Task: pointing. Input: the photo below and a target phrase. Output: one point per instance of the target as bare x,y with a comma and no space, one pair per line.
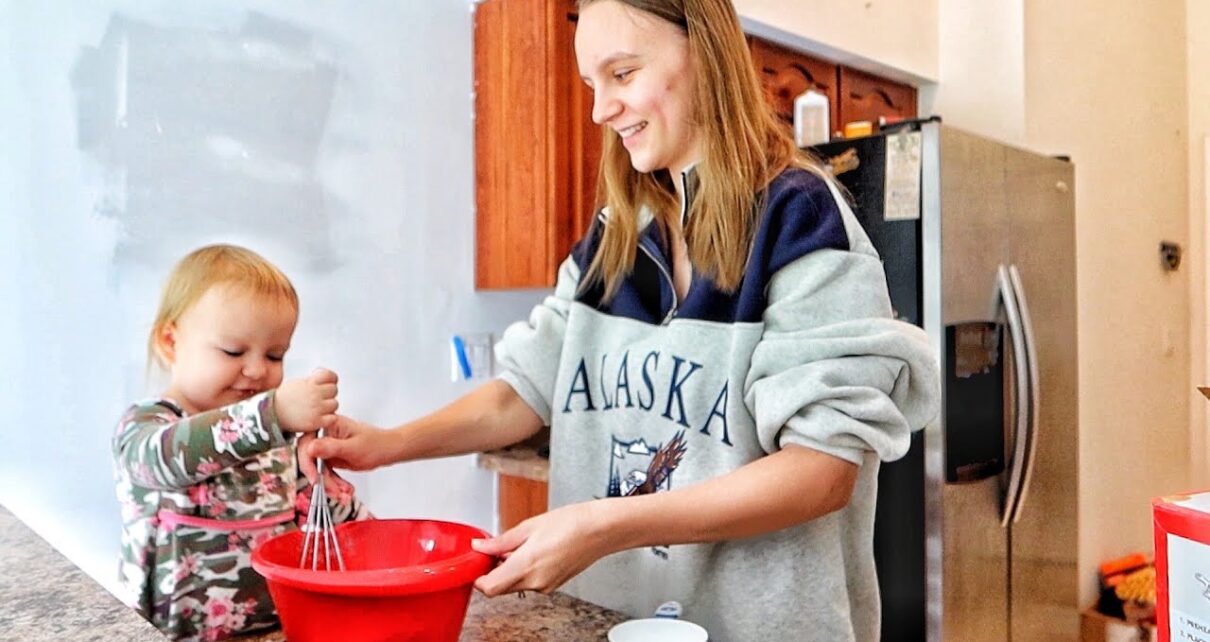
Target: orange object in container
1127,563
858,128
406,581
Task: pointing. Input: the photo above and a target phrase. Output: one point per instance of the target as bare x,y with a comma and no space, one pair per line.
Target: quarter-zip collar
688,182
652,243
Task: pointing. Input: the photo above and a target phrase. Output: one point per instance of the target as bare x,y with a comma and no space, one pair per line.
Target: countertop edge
517,461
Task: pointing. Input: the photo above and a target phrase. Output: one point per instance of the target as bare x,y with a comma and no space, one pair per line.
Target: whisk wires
319,531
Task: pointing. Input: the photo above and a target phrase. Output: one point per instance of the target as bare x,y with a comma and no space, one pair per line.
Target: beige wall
1198,61
894,38
1107,83
981,71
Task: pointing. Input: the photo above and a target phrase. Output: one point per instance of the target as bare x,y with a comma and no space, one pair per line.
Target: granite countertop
516,461
509,618
46,598
522,459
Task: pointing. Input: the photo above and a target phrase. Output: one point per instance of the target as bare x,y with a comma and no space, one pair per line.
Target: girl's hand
346,444
543,552
335,486
307,404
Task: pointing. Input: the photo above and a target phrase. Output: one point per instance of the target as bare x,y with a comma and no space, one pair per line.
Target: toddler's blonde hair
212,265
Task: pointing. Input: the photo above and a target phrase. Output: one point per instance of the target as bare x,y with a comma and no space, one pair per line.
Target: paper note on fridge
902,177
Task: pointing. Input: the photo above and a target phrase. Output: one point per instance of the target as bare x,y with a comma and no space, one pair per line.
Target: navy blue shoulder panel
800,216
643,296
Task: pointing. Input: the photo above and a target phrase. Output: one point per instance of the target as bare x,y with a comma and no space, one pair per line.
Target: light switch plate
470,356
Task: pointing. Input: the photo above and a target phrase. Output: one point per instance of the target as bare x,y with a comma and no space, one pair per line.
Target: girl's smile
629,133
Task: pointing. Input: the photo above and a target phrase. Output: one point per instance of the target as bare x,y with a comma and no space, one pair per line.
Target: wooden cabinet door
519,499
512,144
536,148
787,74
581,141
867,97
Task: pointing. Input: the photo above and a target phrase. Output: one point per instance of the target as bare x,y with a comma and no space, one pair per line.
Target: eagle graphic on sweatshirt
638,469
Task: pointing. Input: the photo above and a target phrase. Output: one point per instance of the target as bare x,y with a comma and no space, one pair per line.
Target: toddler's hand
307,404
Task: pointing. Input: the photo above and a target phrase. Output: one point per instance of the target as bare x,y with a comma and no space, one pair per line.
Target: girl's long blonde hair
745,147
207,267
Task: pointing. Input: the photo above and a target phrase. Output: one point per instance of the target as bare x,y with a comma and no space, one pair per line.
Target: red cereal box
1182,567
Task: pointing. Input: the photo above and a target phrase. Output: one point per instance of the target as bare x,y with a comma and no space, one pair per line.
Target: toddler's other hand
307,404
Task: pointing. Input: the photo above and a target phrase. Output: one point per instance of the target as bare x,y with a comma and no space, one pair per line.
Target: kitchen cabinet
787,74
519,499
852,94
864,96
537,150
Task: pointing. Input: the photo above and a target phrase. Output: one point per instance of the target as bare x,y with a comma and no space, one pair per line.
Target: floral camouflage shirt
178,479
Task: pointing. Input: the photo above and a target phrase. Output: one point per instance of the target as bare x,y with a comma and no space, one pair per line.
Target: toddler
207,471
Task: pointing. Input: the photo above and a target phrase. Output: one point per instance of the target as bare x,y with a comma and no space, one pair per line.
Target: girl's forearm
786,488
491,416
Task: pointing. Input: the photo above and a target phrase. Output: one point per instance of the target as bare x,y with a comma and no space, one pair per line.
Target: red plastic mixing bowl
405,580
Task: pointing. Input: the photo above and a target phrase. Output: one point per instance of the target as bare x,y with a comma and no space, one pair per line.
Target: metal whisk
319,532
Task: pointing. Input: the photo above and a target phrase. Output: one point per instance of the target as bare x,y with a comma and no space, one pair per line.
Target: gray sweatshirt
646,393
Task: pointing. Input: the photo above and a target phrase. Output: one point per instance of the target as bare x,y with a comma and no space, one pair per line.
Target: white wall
337,142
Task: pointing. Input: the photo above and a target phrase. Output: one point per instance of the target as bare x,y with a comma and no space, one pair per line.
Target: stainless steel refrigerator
975,532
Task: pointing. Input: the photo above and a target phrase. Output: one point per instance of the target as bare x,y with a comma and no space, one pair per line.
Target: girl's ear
165,343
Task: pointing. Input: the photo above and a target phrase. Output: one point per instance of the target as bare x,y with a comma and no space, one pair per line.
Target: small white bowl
657,629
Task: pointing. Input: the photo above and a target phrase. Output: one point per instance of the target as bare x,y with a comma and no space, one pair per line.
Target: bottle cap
670,610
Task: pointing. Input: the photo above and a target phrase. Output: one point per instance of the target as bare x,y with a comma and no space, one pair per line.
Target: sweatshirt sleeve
833,371
529,351
161,450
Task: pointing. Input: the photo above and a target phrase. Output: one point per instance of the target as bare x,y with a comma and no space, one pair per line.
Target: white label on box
1188,590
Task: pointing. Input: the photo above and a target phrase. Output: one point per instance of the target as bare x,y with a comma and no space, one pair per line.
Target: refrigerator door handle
1035,401
1020,366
